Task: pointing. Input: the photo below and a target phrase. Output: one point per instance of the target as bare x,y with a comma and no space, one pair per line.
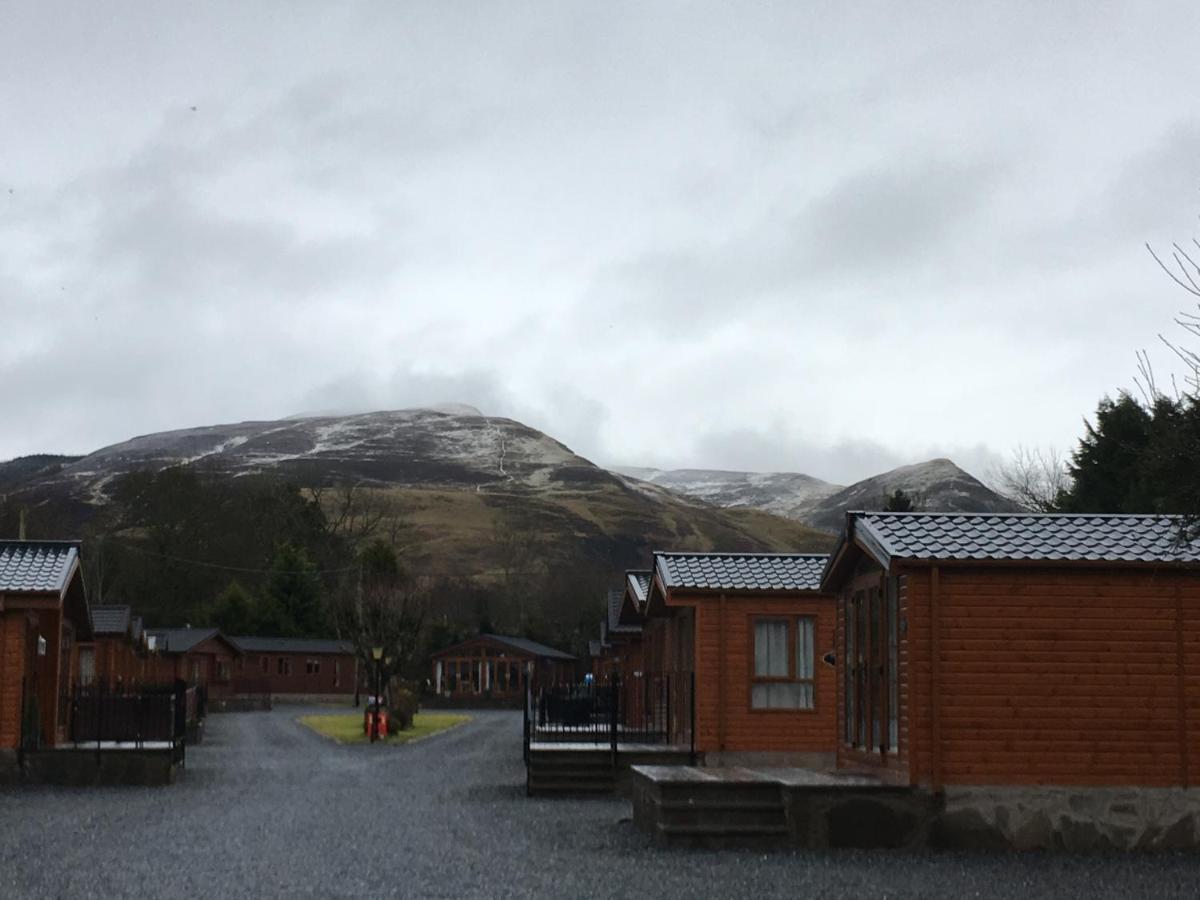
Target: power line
209,565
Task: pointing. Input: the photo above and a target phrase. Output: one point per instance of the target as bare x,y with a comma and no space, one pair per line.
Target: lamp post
377,655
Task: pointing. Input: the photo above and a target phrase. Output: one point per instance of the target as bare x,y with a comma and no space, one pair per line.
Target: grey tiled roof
36,566
616,597
528,646
639,583
110,619
741,571
1041,537
291,645
179,640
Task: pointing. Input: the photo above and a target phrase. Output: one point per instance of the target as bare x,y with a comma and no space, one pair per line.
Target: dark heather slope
935,486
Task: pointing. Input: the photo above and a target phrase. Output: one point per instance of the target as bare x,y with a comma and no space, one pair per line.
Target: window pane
782,695
770,649
804,648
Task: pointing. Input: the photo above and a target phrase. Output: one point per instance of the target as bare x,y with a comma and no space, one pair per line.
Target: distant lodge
497,667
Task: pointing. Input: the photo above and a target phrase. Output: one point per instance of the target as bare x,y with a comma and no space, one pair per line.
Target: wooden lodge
619,649
496,667
118,654
305,667
201,657
43,617
755,630
978,649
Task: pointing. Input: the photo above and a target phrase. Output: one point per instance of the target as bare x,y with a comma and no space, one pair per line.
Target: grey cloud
878,226
405,388
1159,186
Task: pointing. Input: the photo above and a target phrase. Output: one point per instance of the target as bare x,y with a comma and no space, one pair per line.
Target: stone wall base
1070,819
820,811
87,767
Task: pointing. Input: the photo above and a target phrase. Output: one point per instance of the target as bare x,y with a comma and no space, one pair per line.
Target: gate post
613,713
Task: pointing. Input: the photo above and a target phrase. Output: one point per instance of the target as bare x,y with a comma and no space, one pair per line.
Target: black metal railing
106,716
645,708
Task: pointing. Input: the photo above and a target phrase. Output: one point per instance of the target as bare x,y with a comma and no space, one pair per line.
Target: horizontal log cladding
1074,676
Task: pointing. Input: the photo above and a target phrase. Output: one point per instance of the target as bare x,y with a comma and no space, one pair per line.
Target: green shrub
403,704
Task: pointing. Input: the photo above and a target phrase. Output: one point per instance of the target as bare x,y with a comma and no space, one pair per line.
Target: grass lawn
347,728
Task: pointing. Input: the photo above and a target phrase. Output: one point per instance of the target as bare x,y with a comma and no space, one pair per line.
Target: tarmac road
267,808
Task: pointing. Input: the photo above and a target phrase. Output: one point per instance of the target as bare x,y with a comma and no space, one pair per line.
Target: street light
377,655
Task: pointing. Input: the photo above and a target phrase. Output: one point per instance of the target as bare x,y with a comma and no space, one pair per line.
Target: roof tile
1041,537
741,571
36,566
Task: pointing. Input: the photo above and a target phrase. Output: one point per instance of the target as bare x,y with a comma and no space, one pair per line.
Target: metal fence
112,716
646,708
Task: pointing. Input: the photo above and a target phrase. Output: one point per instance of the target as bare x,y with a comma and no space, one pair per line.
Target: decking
592,767
775,807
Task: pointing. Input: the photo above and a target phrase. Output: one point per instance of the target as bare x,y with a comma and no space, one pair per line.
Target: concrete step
720,819
721,793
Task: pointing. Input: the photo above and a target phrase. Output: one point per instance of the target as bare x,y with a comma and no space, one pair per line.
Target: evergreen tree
1108,467
294,585
234,611
898,501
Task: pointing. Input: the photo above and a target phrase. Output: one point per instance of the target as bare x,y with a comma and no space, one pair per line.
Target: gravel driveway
267,808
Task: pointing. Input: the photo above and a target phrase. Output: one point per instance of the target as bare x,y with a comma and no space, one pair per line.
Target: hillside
451,479
782,493
936,485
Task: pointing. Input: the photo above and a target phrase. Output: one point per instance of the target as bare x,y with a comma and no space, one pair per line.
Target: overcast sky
774,236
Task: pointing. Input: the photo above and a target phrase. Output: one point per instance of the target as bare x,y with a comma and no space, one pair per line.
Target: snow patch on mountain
453,445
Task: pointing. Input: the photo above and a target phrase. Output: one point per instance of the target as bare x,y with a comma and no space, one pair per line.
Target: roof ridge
730,554
1010,515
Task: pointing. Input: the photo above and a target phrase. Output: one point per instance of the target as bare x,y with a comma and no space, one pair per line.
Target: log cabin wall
13,627
1053,675
724,655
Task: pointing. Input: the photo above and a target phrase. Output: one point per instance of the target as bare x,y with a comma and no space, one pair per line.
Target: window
223,670
337,673
783,664
266,665
285,666
312,667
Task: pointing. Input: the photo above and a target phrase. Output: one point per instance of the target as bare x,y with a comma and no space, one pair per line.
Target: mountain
414,447
454,475
935,485
23,469
782,493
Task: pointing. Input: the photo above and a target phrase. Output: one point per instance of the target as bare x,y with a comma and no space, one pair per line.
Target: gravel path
268,808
